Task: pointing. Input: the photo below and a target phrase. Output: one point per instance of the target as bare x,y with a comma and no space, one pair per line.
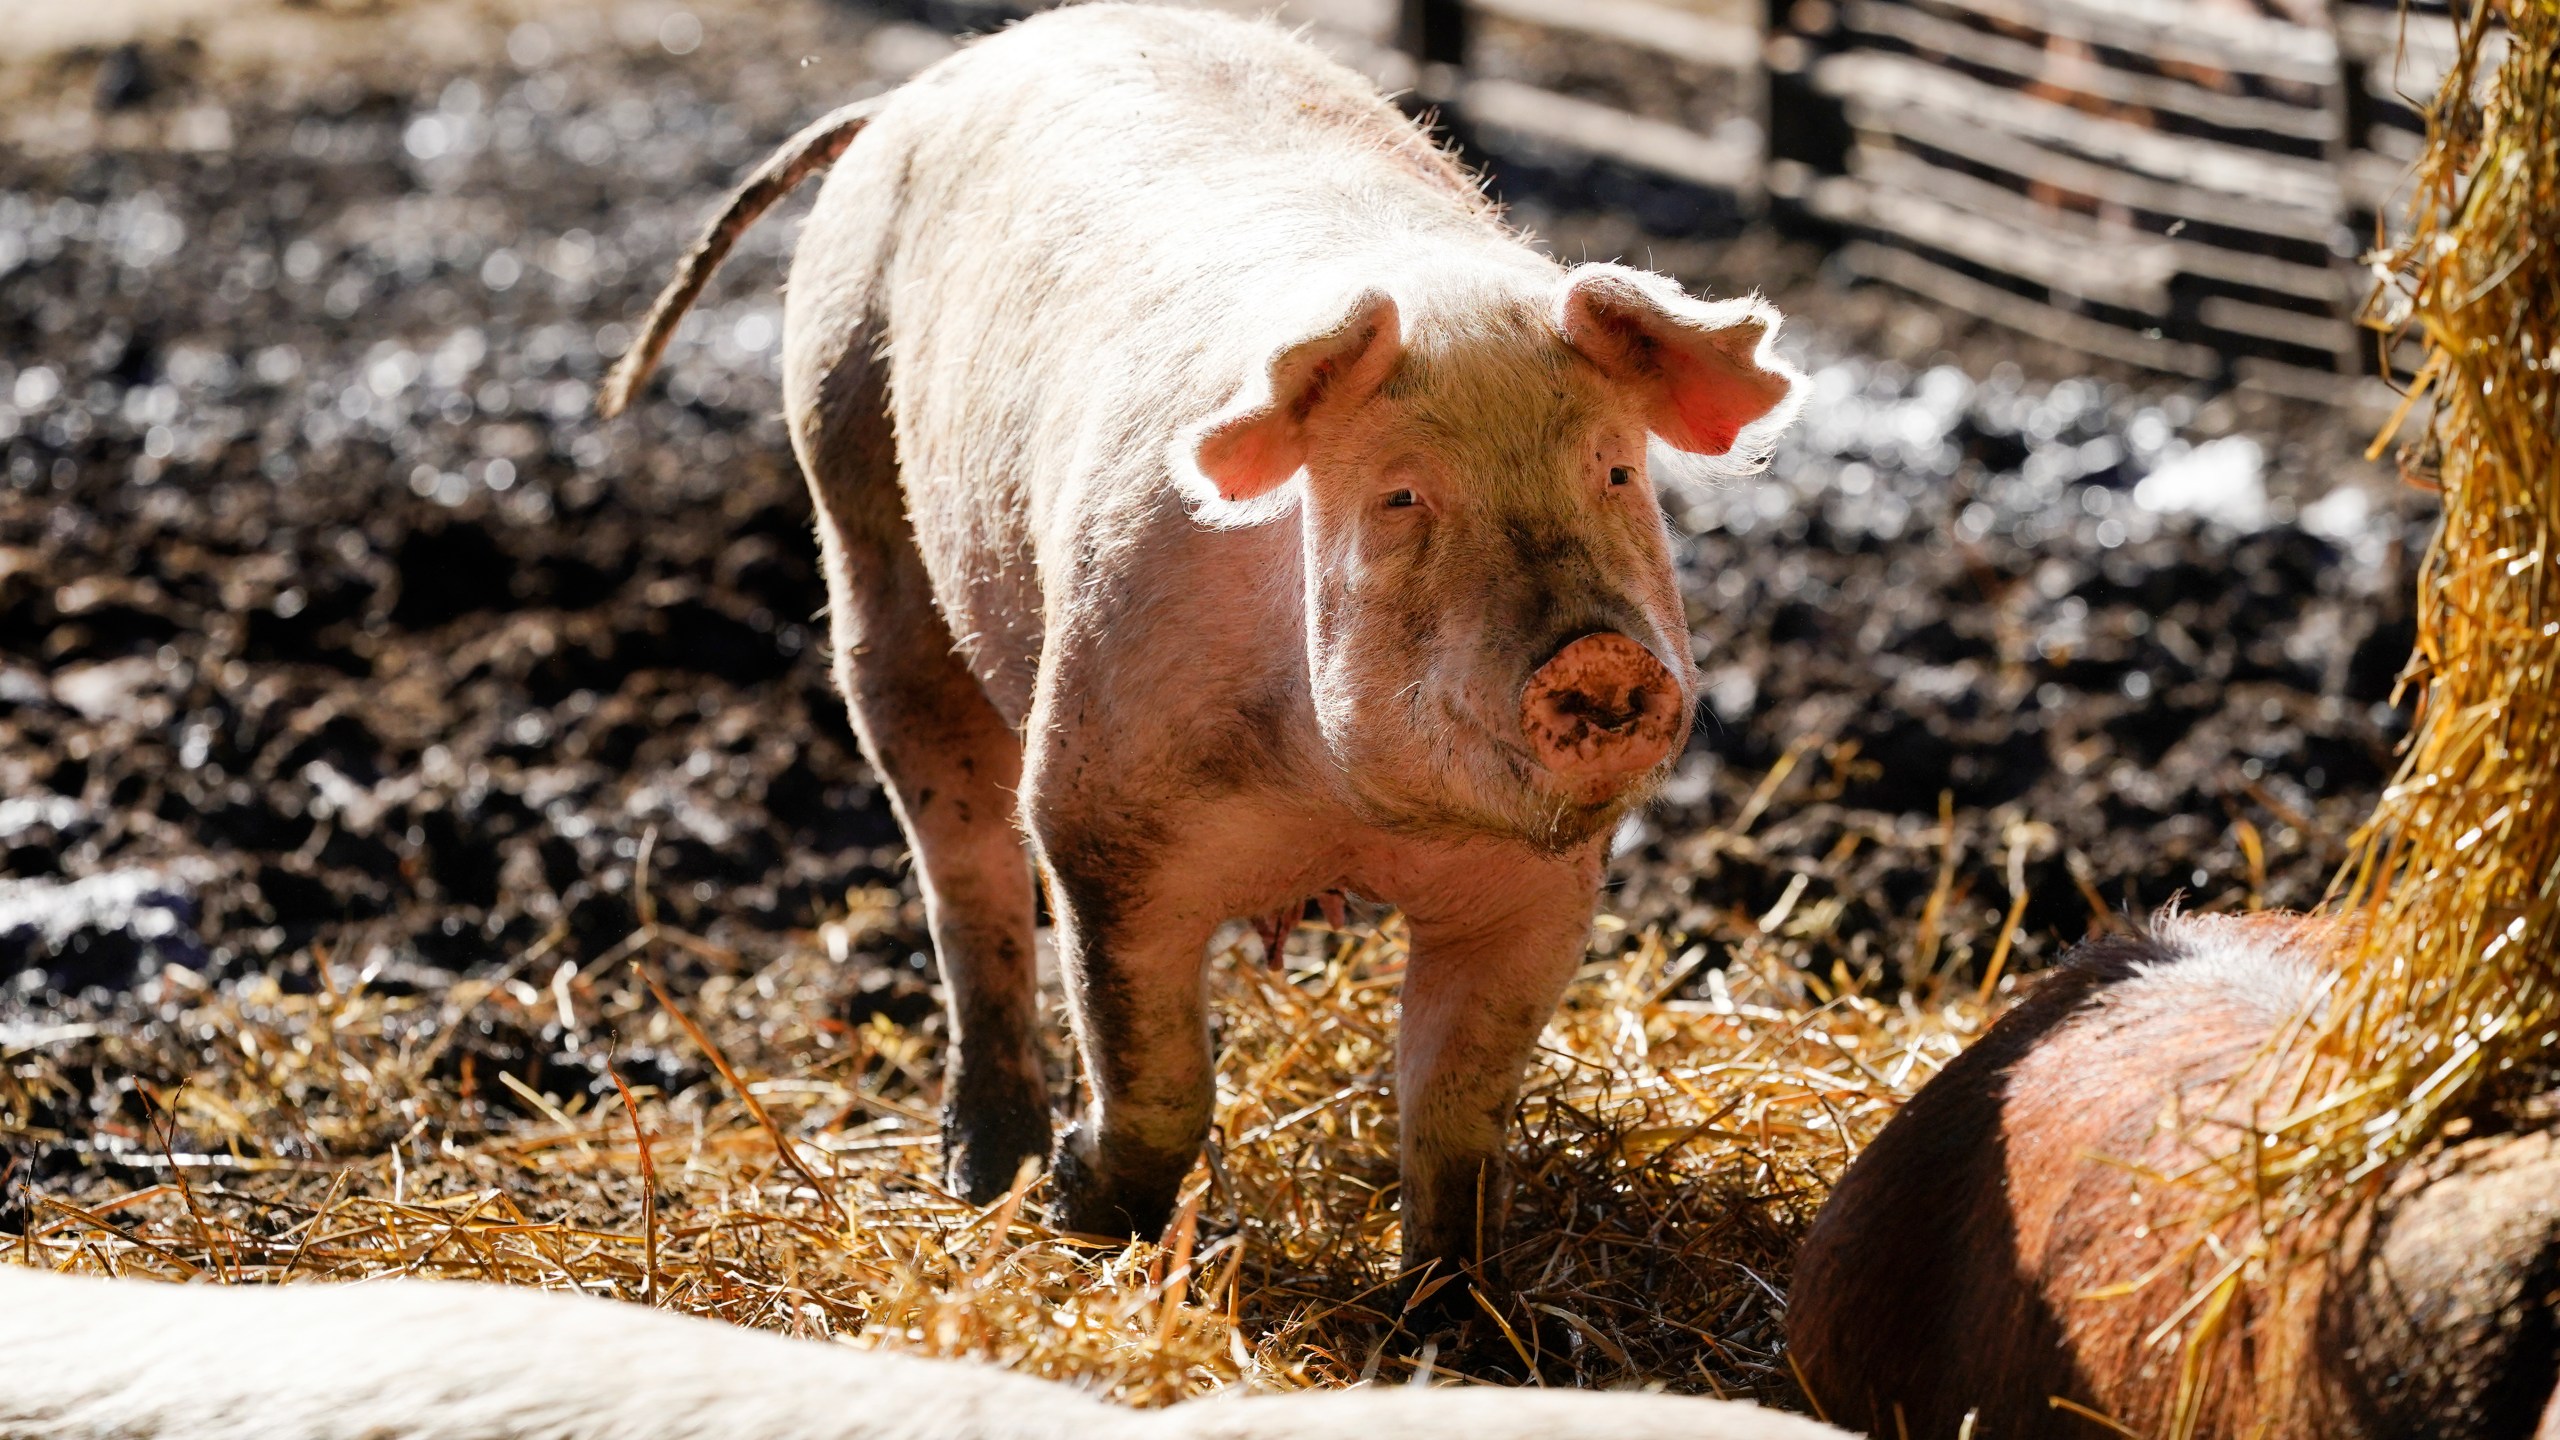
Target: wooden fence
2186,185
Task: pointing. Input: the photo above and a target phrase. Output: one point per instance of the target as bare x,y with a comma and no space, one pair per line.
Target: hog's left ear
1701,370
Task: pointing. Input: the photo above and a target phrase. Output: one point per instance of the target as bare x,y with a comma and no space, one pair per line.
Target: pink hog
1213,491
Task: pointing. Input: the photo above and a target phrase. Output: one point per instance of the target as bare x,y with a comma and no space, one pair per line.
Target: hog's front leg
1132,960
1489,964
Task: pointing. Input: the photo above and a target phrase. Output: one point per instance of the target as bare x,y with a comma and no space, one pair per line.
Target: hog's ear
1245,452
1702,370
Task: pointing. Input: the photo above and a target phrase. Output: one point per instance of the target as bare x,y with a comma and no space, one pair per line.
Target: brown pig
2013,1254
1213,491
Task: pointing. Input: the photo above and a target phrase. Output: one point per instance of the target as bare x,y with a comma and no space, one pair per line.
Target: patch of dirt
328,612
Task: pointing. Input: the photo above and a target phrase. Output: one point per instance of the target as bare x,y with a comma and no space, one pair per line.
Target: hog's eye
1401,500
1620,474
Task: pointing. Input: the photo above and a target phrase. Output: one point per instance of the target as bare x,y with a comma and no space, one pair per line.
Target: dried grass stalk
1682,1121
2456,878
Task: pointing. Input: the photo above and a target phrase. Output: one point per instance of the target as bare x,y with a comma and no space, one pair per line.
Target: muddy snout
1602,710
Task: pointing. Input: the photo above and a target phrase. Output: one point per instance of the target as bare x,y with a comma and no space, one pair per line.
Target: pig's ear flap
1233,464
1702,371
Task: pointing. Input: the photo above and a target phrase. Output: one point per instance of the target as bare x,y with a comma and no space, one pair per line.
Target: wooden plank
2361,393
1908,174
1668,150
1873,79
2207,37
2286,327
2087,76
2422,52
1998,151
1932,281
2401,147
1681,34
2122,271
2405,68
2119,269
2379,185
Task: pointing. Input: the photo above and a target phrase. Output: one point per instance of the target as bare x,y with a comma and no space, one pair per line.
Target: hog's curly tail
803,155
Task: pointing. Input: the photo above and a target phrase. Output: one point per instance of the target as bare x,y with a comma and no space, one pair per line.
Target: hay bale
2448,1012
2455,992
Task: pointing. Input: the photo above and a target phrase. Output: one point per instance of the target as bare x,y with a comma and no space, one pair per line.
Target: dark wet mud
329,616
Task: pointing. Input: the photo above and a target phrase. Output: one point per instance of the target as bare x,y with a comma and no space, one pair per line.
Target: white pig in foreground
1214,491
86,1359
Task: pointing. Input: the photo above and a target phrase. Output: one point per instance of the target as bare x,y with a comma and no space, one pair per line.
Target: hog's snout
1602,708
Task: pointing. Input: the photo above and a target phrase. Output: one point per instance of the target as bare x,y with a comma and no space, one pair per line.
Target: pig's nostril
1605,709
1601,707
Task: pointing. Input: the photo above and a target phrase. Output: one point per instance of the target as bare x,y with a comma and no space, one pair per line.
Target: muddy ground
332,625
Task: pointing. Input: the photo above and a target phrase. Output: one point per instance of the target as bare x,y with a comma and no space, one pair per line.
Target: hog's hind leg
951,766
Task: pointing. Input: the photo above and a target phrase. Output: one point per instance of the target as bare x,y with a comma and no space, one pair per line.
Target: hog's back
1976,1258
1069,240
2021,1230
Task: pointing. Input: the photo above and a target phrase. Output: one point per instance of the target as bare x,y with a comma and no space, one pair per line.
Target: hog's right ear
1233,464
1702,371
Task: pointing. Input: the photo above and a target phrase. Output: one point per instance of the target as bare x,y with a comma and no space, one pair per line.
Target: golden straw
2449,1002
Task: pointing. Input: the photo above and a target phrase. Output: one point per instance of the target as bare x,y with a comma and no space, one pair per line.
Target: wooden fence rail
2186,185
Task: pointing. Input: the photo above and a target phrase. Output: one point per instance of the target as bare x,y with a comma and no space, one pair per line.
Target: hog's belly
978,553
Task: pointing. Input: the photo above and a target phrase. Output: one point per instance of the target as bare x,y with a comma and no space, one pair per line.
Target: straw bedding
754,1158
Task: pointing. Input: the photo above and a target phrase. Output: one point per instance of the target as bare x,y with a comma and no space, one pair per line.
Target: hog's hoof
1475,1323
1092,1196
984,1147
1434,1298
